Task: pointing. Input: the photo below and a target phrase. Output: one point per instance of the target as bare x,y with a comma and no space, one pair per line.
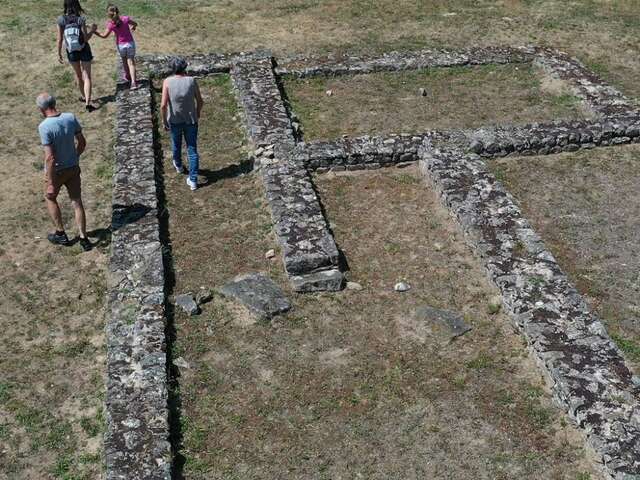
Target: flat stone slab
450,323
259,294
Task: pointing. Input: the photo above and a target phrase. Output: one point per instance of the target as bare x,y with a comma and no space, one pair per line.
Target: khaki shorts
70,178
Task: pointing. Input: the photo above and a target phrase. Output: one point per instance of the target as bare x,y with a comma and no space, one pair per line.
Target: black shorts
83,55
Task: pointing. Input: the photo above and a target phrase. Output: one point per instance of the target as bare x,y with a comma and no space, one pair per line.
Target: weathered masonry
585,368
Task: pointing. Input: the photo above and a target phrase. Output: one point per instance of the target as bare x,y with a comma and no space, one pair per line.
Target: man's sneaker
179,169
58,238
192,185
85,243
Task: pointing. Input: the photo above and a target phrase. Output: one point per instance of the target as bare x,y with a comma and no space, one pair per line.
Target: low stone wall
586,370
599,97
310,254
137,438
302,66
368,152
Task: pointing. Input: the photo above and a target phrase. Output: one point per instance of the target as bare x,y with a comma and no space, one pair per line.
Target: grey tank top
182,100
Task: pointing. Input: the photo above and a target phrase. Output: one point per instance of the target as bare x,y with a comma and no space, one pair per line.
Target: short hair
178,65
46,101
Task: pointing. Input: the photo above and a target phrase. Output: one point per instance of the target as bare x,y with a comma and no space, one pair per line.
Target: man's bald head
45,101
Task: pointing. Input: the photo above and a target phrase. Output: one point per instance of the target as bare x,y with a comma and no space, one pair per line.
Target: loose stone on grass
354,286
188,304
259,294
402,287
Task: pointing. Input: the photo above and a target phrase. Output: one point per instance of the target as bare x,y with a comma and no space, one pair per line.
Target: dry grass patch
584,205
349,384
458,97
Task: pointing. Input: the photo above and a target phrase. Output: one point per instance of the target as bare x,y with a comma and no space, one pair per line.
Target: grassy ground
349,385
458,97
574,201
53,354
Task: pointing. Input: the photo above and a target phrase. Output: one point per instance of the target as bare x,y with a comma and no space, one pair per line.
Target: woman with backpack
73,32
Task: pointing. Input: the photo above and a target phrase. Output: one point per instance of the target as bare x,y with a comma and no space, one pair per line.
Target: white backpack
73,34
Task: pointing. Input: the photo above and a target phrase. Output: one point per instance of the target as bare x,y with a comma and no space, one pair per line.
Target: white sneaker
192,185
178,169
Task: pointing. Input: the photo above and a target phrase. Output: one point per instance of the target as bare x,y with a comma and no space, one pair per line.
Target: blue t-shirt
60,132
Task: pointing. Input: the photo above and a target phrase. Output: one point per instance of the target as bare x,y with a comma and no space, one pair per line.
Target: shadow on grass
230,171
174,400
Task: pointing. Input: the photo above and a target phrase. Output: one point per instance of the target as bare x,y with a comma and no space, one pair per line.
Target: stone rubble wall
302,66
585,368
599,97
369,152
136,442
310,254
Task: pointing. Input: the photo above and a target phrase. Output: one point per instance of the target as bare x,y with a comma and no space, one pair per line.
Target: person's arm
133,24
164,103
199,101
88,33
81,143
102,35
49,161
59,40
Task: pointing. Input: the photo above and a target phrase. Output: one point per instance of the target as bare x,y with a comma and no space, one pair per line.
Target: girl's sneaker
192,185
134,86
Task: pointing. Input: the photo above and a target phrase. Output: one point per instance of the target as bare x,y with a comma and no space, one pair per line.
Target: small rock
354,286
402,287
329,93
181,363
259,151
437,246
188,304
495,304
205,295
476,146
423,92
270,254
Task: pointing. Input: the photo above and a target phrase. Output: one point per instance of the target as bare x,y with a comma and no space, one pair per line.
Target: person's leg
79,78
55,214
74,187
59,237
191,138
125,68
131,63
176,144
86,76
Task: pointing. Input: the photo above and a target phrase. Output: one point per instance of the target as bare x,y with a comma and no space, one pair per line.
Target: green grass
631,348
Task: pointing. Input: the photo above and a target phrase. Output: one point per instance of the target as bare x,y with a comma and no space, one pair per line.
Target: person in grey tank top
181,106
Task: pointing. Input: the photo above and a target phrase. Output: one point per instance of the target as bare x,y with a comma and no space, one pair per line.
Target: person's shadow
230,171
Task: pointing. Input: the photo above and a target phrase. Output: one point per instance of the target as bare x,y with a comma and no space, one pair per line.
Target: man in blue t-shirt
63,143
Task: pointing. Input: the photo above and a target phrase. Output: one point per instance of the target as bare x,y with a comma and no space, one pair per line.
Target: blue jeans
190,132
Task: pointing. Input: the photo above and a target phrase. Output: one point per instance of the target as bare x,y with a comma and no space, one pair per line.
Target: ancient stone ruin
586,370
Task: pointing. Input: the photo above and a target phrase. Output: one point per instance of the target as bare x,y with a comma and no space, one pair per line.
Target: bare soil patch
457,97
584,205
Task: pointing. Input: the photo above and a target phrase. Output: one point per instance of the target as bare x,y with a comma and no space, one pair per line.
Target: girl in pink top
122,26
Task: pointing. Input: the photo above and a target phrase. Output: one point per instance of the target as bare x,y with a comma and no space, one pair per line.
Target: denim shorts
83,55
127,50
